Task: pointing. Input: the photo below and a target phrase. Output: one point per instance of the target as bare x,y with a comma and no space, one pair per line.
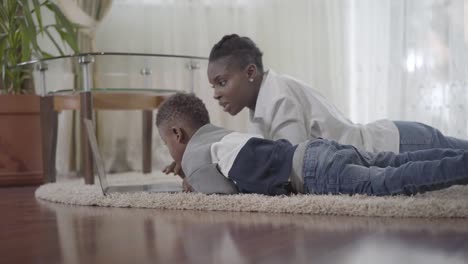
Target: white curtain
408,61
396,59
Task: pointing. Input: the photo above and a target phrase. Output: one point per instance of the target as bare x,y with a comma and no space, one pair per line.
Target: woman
282,107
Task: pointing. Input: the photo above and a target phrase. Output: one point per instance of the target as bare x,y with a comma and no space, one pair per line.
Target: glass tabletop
151,91
116,72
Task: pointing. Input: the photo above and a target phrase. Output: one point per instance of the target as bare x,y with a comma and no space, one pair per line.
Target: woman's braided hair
240,49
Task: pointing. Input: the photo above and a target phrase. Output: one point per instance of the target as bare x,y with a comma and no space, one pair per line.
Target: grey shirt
205,178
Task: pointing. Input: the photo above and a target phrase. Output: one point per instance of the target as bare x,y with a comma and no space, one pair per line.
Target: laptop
106,188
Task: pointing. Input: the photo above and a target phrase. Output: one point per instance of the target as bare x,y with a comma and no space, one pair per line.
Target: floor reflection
122,235
396,250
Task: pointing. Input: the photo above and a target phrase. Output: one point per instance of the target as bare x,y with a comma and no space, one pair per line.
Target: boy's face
174,138
231,85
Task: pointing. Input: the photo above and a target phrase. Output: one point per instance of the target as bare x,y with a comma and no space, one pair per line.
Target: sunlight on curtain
408,61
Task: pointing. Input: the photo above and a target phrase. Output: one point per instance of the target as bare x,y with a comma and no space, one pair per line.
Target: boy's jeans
417,136
332,168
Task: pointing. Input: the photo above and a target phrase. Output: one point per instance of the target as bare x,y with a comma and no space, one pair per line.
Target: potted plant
21,23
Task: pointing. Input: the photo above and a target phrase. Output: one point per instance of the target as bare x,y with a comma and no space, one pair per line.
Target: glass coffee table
91,82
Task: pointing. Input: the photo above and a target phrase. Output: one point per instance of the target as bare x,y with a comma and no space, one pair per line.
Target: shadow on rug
451,202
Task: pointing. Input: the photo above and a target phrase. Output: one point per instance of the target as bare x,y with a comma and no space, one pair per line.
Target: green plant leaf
46,55
68,27
3,38
60,18
31,28
69,39
25,49
46,30
37,10
21,22
3,17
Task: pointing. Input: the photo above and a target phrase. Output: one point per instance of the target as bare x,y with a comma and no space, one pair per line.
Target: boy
216,160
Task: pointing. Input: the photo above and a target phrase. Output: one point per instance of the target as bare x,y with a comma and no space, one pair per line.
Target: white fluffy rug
451,202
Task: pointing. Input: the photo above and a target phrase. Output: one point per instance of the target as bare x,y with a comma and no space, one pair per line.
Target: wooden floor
35,231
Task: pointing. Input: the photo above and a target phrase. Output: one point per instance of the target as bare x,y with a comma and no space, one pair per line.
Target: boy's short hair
185,107
241,49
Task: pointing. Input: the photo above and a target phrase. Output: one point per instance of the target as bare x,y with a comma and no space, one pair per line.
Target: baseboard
21,178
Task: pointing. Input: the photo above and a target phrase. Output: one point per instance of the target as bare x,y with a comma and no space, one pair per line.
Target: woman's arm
288,121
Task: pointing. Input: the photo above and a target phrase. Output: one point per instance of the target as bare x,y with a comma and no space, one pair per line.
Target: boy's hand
174,168
186,186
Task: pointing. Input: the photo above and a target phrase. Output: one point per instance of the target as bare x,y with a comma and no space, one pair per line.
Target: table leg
147,140
49,122
86,155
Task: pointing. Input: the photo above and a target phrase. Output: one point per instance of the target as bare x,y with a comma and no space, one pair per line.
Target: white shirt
289,109
224,152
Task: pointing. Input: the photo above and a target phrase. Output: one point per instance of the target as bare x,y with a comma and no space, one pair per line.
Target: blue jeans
332,168
418,136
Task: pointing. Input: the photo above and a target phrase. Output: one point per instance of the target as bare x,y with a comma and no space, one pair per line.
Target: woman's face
231,85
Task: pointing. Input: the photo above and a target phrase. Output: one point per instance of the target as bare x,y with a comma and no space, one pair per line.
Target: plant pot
20,140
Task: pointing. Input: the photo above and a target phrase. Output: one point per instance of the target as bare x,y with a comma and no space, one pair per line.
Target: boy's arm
174,168
186,186
209,180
